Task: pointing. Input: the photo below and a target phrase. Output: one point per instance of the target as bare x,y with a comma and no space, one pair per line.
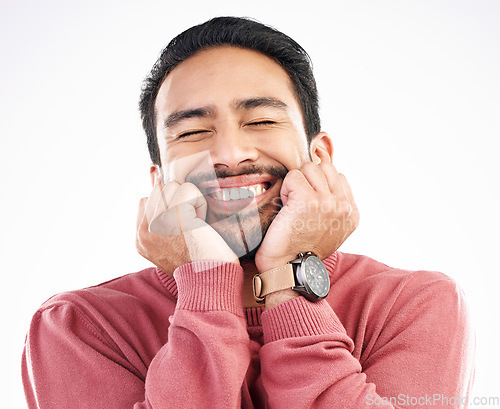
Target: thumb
294,183
190,206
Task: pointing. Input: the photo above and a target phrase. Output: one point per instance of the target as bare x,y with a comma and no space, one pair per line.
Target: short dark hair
238,32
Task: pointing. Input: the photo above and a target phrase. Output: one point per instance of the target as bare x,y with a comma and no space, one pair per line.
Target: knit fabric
383,337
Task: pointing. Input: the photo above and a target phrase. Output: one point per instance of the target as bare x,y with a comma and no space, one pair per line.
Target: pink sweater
145,340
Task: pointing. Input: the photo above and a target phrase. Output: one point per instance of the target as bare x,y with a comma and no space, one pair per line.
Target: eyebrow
209,111
183,114
260,102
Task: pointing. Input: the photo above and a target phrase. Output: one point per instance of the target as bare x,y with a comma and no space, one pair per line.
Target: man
250,303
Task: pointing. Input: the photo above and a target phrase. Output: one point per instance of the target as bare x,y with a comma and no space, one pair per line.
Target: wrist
274,299
209,286
269,264
306,275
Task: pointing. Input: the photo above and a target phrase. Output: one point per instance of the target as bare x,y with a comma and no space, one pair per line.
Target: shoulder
360,282
379,304
139,299
357,271
124,320
132,287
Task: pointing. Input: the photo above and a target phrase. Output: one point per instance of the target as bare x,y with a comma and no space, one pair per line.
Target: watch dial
316,276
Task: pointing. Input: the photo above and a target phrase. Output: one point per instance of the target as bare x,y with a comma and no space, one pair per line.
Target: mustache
221,173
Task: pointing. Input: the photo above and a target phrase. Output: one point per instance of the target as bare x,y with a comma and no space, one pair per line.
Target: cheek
178,167
291,154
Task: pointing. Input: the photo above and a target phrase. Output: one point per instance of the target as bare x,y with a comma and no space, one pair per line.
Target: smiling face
228,121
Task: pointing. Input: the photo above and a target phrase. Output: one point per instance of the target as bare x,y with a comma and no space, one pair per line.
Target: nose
231,148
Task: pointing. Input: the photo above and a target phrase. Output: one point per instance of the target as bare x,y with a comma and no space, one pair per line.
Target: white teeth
244,193
236,193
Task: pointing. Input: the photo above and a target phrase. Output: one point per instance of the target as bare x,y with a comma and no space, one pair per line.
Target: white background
409,92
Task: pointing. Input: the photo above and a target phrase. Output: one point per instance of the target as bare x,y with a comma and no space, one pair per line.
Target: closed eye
262,123
192,133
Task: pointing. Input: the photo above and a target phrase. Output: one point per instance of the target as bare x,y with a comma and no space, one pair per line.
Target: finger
160,222
327,167
165,197
334,180
190,202
347,188
180,208
152,201
315,176
294,183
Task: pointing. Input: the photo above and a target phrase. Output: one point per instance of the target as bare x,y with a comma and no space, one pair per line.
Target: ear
321,148
155,173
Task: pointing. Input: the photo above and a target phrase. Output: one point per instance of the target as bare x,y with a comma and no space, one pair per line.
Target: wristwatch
307,274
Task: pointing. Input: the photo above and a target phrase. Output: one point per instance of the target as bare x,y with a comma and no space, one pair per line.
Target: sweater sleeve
418,356
69,363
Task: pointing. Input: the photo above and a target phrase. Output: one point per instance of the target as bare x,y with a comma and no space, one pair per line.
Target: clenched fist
171,228
318,215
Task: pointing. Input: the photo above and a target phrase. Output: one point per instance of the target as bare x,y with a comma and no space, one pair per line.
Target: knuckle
294,174
171,184
356,217
309,165
139,247
188,189
345,208
309,168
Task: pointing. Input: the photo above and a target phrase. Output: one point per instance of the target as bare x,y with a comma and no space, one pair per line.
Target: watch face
316,276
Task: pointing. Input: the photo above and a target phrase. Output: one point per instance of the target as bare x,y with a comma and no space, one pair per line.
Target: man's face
228,121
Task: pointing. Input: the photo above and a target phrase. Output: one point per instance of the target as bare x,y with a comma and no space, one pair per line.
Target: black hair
239,32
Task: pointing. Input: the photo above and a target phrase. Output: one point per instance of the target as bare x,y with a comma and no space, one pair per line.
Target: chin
244,231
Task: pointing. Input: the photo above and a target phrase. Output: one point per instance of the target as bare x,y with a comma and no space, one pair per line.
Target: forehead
219,76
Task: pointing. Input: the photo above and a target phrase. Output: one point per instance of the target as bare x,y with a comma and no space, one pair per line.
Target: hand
318,215
171,228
